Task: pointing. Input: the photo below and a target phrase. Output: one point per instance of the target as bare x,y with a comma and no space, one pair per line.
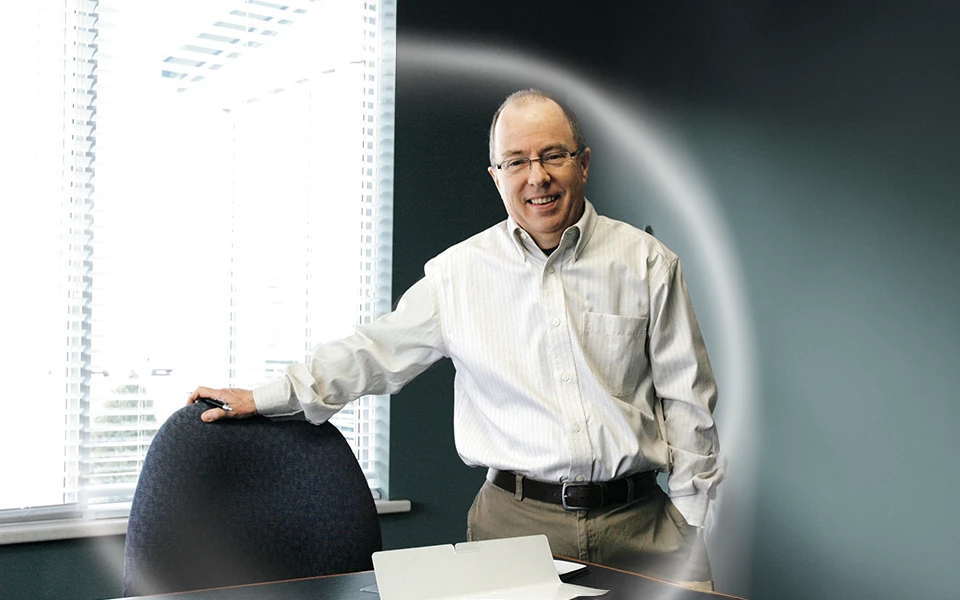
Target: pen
217,403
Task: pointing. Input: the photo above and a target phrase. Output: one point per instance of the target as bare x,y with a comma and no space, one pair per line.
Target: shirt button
576,428
551,270
565,376
579,478
555,322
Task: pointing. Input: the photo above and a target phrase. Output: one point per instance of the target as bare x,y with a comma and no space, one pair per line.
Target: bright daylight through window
196,193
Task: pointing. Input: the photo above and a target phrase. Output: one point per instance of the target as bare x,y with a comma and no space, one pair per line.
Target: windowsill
65,529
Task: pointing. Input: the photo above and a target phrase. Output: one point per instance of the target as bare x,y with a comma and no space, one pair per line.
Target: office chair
246,501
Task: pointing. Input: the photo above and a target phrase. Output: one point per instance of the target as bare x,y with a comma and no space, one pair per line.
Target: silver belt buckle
568,506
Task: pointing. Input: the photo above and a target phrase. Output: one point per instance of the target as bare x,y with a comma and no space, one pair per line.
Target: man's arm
685,385
379,358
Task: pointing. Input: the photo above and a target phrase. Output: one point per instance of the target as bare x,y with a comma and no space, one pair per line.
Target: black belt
578,496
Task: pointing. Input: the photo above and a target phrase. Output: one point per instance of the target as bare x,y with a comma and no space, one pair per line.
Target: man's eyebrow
549,148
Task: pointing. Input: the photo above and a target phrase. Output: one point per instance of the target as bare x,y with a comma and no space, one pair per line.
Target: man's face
543,201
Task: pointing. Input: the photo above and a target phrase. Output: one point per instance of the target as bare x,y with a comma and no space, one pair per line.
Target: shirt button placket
561,353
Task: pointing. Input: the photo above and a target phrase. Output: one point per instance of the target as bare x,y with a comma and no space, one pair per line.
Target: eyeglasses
556,158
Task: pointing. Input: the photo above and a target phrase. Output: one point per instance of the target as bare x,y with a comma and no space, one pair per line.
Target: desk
622,586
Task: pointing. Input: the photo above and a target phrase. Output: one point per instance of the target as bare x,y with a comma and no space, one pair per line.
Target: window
186,206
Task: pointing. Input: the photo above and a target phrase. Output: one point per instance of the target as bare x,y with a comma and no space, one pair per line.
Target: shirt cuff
273,399
693,508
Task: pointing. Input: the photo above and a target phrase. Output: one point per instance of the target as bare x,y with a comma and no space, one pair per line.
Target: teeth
546,200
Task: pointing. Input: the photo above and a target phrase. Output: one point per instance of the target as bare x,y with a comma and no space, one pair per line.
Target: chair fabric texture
246,501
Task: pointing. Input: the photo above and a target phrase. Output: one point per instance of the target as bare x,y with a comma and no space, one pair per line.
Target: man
581,370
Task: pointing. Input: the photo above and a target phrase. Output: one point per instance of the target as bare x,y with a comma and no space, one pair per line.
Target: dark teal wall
826,132
850,243
69,569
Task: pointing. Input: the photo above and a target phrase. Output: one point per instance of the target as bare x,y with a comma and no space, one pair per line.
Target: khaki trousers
648,536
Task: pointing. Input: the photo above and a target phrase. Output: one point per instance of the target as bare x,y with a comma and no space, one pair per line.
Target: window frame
71,519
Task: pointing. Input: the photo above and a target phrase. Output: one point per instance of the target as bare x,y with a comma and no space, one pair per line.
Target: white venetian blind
222,204
47,166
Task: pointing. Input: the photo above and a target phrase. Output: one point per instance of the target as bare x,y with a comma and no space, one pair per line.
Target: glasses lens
516,165
555,159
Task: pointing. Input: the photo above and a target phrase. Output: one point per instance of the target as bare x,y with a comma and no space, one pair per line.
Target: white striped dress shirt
584,365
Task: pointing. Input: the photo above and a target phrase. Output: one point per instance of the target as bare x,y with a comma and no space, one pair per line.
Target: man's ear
585,162
496,181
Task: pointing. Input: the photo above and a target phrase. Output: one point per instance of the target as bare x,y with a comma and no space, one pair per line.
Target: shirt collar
580,232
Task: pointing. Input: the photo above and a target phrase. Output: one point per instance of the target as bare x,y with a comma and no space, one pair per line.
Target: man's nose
538,174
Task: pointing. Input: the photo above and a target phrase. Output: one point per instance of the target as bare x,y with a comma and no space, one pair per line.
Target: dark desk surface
622,586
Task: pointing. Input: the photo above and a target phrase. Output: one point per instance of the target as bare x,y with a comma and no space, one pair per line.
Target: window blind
214,219
48,165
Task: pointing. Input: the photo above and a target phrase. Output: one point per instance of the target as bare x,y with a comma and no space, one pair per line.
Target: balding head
528,96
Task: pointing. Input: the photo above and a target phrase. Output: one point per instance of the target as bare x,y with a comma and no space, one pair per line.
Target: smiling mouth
544,200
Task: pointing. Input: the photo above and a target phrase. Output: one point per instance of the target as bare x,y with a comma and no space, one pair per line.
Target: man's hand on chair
238,400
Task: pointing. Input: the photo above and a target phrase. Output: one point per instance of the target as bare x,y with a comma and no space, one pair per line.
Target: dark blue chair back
246,501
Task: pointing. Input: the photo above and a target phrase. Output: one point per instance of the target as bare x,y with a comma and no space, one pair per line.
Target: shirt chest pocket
614,350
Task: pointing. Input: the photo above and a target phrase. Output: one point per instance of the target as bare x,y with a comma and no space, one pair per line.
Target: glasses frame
527,163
